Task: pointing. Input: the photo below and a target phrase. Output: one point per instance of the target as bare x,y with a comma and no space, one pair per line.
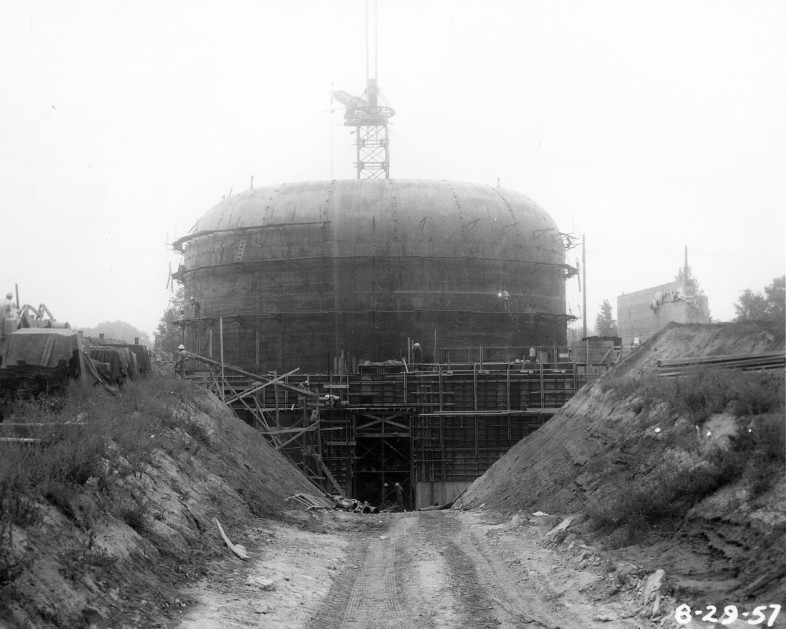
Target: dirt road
438,569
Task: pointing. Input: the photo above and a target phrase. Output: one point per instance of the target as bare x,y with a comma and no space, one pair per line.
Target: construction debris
355,506
310,502
239,550
751,362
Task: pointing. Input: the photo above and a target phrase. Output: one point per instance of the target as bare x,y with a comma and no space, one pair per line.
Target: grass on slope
86,437
754,452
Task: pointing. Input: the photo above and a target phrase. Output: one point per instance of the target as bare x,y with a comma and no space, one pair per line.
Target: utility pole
584,280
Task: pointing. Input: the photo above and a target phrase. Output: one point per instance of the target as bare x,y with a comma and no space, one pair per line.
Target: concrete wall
646,312
438,492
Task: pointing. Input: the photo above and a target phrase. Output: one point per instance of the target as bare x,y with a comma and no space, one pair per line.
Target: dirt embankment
658,477
115,549
684,475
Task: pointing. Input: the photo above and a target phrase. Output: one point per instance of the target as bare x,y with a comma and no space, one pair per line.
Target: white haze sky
648,126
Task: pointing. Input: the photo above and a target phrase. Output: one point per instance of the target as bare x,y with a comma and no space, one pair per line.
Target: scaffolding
432,428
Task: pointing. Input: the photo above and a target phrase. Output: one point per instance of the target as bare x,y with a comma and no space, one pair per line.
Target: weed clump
754,453
702,393
81,450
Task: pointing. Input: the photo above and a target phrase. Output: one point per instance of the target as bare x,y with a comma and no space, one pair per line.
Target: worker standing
417,355
180,364
505,295
7,307
399,495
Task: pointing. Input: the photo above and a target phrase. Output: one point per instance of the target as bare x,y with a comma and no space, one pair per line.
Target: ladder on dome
240,249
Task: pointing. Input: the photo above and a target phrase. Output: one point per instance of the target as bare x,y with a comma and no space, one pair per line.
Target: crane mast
369,113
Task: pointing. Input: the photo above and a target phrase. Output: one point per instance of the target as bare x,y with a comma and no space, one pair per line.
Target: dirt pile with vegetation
109,512
682,474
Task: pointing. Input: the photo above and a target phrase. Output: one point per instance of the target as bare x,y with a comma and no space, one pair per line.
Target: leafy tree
776,299
768,307
605,323
685,275
750,306
168,333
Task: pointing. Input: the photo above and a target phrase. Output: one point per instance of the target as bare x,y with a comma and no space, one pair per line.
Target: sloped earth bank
612,448
82,562
437,569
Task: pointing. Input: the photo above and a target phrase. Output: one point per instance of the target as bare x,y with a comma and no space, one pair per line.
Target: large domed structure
302,273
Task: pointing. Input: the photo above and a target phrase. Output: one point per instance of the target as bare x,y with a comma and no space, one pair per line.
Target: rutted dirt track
439,569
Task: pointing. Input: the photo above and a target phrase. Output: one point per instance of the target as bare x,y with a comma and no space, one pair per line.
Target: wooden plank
3,424
284,431
291,439
253,390
330,477
256,376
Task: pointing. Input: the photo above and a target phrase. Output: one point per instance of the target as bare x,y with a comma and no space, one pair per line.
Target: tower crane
369,114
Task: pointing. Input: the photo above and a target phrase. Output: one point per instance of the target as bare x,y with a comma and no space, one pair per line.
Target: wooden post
584,282
278,420
443,462
475,384
413,494
439,377
587,367
310,437
476,445
507,374
542,388
221,346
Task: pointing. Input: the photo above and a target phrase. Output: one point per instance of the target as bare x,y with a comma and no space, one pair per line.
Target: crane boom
348,100
369,114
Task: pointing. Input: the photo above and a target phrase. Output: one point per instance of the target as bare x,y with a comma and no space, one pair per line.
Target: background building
646,312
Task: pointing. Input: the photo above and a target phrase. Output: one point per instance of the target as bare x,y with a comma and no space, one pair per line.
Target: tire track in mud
512,610
365,594
472,606
429,572
374,601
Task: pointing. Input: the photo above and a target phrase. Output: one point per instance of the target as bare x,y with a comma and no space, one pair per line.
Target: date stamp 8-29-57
763,615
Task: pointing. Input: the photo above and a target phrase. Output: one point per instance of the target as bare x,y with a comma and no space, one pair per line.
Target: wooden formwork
433,430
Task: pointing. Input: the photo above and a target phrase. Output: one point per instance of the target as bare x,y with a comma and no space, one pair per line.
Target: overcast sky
647,126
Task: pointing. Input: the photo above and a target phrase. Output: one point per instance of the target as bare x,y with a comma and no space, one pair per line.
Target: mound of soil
604,444
678,340
80,565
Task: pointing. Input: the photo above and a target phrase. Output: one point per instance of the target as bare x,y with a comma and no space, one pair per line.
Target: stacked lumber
311,502
771,361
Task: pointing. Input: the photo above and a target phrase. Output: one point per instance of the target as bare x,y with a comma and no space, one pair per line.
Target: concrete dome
358,266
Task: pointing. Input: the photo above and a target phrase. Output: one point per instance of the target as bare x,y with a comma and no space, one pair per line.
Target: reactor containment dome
299,274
